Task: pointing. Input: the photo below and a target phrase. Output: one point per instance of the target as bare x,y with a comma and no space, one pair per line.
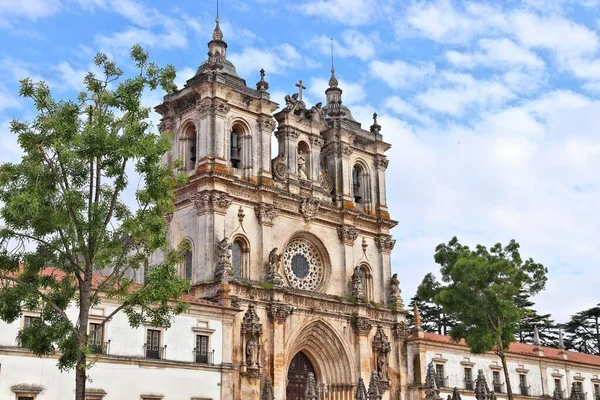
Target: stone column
362,328
315,157
266,125
348,235
220,133
344,153
266,214
385,245
278,313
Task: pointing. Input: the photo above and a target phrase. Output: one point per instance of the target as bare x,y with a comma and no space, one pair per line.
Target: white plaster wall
124,379
454,371
120,381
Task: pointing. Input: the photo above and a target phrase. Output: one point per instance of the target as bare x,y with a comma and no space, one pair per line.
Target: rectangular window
496,382
96,339
28,320
202,353
468,379
523,384
25,398
439,375
580,385
153,348
597,391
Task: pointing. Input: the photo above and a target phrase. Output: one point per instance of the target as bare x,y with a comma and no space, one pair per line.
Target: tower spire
217,34
333,82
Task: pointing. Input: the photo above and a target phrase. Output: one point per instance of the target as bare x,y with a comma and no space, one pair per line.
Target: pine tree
547,328
432,317
583,331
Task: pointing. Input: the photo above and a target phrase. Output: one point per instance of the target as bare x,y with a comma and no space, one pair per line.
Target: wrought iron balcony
524,390
441,382
155,352
97,347
497,386
206,357
469,384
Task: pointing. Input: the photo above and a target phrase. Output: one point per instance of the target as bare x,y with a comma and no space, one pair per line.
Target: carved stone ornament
252,344
395,292
273,274
482,390
347,234
265,213
317,141
361,390
381,161
325,182
374,392
381,350
385,243
357,284
316,113
309,208
266,123
361,326
431,390
214,201
344,150
294,104
400,330
224,271
278,312
241,215
280,169
267,393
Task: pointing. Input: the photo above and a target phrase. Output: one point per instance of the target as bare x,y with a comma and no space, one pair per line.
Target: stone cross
300,87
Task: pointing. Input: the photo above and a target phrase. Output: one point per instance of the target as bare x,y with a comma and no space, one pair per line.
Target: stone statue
315,113
274,264
224,248
382,367
302,166
290,101
251,353
357,284
395,286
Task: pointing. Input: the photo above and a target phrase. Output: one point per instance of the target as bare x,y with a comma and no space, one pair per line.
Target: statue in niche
395,286
302,166
273,272
357,284
224,248
251,353
382,367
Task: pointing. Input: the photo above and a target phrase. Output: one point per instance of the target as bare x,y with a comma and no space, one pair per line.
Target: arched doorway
297,377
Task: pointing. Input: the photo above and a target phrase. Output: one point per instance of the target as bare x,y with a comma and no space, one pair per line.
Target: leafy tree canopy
65,216
479,287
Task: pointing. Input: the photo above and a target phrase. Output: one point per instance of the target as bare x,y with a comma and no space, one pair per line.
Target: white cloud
31,9
460,92
399,74
351,43
7,100
277,60
352,93
120,42
496,53
348,12
398,106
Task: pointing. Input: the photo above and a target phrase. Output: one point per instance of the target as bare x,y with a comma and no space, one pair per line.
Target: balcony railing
97,347
524,390
204,357
441,382
497,386
469,384
156,352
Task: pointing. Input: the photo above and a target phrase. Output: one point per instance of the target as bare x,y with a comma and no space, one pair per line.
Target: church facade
299,240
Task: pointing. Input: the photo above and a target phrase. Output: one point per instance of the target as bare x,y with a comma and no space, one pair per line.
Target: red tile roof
527,349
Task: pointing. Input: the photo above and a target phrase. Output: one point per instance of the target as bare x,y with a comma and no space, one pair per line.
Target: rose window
303,265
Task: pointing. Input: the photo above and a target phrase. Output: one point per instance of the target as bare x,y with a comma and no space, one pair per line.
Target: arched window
366,281
187,147
361,187
240,258
188,264
357,190
235,146
303,160
236,259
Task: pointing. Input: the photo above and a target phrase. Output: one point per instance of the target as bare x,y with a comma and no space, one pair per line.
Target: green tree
432,318
479,289
65,216
583,331
547,329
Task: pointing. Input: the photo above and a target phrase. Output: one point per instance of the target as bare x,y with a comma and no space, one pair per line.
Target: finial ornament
217,34
262,85
536,336
375,128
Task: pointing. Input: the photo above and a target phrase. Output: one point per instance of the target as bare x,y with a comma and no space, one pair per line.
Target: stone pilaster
278,313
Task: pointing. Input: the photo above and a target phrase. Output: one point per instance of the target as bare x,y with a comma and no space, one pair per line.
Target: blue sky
492,107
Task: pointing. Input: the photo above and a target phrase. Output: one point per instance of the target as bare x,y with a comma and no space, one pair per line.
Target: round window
303,265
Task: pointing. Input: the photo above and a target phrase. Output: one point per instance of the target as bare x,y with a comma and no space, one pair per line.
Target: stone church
299,241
